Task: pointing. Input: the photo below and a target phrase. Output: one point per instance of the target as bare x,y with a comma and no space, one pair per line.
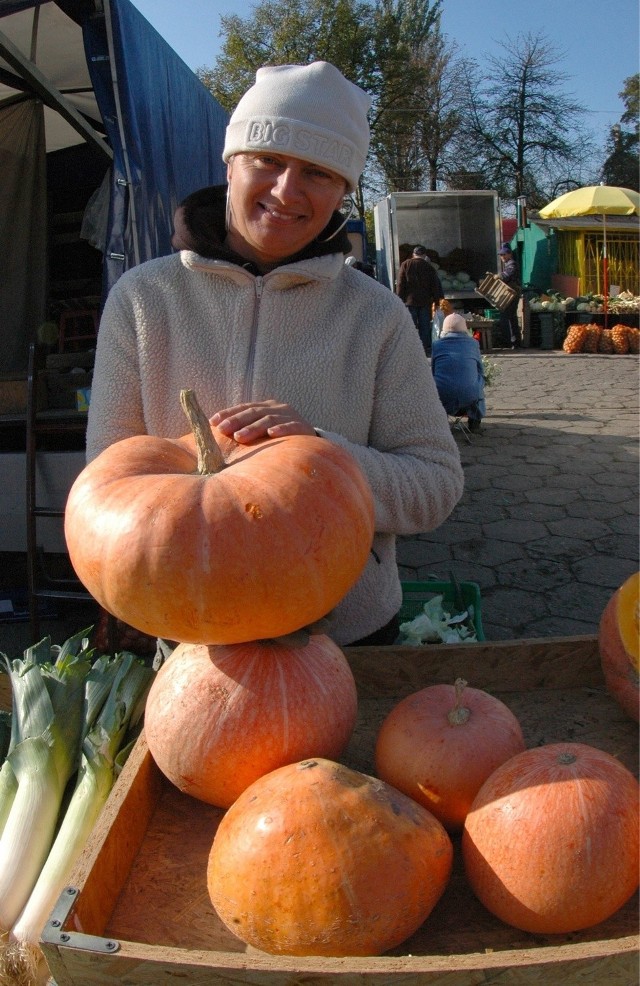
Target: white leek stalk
95,780
49,706
24,723
8,788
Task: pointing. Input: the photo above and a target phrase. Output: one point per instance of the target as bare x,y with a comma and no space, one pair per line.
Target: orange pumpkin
217,718
550,845
195,550
318,859
440,744
619,642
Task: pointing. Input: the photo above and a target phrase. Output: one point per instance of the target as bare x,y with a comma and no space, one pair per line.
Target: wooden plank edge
505,665
159,961
103,867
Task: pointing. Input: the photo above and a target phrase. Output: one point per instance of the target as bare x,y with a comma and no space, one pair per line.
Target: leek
23,725
130,680
48,712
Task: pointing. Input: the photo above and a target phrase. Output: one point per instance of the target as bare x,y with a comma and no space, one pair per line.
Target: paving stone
542,512
535,574
617,493
556,497
606,510
602,570
579,601
561,548
513,608
415,554
577,527
560,626
520,531
495,554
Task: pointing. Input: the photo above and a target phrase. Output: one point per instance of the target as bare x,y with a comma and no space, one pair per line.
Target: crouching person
456,364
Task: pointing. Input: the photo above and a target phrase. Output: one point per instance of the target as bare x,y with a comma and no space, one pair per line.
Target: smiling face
279,204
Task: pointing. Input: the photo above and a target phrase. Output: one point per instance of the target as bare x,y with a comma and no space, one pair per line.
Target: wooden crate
137,910
495,290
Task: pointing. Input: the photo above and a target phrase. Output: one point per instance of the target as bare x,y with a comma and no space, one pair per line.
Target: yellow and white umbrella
595,200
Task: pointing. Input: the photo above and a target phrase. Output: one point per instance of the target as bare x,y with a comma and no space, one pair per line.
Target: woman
456,364
276,335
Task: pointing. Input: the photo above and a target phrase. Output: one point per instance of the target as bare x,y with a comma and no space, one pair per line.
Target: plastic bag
436,324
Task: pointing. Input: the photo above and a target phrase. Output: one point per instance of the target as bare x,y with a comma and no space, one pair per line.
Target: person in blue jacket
456,364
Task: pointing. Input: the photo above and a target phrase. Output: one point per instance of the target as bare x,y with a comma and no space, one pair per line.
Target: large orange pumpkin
550,845
318,859
440,744
259,545
619,642
219,717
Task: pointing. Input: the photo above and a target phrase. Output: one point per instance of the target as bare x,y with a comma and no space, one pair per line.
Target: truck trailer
460,230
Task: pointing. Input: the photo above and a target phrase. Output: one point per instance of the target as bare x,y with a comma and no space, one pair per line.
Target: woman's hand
247,423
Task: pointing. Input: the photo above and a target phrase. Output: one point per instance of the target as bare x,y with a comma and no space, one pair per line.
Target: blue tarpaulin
165,129
105,77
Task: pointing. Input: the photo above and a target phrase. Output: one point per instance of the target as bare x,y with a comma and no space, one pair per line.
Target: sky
599,39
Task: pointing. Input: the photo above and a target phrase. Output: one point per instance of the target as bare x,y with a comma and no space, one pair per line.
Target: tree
280,32
621,166
402,45
378,45
522,132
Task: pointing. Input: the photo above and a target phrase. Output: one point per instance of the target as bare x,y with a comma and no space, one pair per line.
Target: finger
229,412
297,427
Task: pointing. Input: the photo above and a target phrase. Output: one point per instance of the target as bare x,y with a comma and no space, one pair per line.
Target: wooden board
5,691
139,911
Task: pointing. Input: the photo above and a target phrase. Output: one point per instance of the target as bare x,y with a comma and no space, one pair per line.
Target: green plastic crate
416,594
492,313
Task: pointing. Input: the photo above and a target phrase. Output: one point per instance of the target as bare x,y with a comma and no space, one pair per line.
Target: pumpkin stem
210,459
459,714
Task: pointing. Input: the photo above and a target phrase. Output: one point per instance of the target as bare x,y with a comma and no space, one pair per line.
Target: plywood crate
137,910
496,291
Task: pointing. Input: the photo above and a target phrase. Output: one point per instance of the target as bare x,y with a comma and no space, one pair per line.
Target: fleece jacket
321,336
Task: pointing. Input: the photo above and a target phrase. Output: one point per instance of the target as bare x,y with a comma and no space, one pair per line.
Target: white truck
460,230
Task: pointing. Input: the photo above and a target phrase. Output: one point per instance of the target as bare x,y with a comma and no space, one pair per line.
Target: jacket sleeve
401,289
115,410
411,460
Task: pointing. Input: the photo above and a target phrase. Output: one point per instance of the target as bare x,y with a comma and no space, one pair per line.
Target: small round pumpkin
440,744
319,859
550,845
219,717
619,643
183,542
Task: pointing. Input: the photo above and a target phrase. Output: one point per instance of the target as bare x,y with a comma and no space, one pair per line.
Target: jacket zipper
247,390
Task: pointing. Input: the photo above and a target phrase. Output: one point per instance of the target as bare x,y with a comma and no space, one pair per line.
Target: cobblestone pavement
548,523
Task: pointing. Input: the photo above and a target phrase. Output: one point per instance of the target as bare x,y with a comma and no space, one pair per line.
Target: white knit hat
309,112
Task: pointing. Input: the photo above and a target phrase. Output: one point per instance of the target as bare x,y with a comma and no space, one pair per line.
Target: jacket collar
206,227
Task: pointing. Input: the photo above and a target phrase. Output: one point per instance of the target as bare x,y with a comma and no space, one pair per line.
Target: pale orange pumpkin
550,845
619,643
183,544
318,859
440,744
219,717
